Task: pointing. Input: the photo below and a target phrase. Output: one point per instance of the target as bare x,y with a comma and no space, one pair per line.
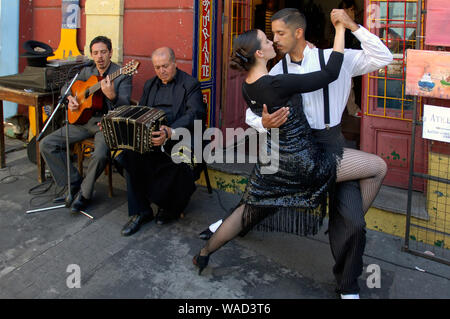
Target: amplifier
49,78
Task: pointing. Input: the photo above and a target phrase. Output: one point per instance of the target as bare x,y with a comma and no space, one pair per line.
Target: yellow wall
105,17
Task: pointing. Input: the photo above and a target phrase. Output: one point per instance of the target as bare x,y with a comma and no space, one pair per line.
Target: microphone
85,64
82,65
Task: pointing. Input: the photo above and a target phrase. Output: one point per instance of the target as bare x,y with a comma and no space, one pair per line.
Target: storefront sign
436,123
428,73
205,54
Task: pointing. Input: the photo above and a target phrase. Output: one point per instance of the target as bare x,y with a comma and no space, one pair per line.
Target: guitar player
112,94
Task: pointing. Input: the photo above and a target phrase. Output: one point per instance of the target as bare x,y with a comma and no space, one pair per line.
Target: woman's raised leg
368,168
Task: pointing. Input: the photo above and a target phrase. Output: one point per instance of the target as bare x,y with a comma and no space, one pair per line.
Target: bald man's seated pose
153,177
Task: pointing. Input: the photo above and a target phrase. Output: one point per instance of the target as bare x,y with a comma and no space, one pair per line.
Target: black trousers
346,226
154,178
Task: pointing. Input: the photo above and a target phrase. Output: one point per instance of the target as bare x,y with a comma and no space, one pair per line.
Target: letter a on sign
74,279
374,279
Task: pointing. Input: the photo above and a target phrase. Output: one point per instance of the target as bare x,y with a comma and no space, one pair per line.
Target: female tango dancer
293,199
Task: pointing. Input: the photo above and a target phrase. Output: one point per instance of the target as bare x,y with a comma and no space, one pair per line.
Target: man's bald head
163,60
164,51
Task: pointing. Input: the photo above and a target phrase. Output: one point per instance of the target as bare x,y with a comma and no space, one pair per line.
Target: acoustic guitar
89,95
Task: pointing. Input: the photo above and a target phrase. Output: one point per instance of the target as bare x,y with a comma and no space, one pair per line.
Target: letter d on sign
74,279
374,279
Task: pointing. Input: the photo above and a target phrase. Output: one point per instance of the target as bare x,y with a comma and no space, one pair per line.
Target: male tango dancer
346,216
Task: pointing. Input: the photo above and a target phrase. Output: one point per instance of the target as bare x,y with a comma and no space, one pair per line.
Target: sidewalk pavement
38,251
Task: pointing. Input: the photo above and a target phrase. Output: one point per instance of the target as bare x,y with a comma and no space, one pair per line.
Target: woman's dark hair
347,4
102,39
244,48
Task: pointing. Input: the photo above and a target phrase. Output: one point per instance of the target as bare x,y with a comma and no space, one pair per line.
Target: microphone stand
62,101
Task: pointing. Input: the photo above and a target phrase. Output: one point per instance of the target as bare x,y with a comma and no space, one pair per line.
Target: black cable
38,192
14,177
35,189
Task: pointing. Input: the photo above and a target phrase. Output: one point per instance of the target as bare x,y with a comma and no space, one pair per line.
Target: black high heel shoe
201,262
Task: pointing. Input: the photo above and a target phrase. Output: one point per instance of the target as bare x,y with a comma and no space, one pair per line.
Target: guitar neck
97,86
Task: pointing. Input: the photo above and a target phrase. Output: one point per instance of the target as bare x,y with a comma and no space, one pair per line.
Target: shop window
395,23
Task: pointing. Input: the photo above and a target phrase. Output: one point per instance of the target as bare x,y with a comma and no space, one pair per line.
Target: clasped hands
339,16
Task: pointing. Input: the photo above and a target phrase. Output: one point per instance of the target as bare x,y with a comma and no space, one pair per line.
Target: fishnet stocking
369,169
229,229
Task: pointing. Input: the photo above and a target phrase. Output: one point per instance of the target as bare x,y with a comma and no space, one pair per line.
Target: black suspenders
285,69
326,95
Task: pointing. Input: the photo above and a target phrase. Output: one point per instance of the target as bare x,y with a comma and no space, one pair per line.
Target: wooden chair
83,149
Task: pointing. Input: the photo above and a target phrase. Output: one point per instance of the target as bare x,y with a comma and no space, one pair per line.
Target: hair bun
237,63
243,58
244,48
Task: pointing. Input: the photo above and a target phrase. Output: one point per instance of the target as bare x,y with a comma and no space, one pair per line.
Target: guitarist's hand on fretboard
108,88
73,104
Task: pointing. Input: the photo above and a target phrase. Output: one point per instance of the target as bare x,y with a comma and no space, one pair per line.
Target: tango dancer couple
313,158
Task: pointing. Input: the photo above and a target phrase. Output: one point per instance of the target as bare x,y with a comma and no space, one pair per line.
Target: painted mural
428,73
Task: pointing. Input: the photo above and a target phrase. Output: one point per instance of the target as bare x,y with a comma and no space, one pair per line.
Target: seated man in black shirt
153,177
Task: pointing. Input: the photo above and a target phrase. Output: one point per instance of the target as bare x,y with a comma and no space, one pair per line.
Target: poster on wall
437,26
70,14
428,73
436,123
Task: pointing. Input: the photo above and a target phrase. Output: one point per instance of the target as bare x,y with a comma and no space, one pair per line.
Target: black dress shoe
63,198
135,223
206,234
80,203
163,217
201,262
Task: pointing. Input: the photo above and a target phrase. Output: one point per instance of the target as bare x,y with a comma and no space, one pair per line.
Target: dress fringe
295,220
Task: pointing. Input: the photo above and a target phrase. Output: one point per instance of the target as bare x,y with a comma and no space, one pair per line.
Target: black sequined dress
293,199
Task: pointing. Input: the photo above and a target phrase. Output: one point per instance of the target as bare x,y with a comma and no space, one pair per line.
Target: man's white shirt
374,55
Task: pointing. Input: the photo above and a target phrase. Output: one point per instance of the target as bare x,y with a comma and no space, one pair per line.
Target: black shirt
164,98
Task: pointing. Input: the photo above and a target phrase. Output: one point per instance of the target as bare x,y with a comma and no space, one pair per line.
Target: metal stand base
62,101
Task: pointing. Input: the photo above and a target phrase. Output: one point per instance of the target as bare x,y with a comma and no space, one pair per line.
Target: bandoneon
130,127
